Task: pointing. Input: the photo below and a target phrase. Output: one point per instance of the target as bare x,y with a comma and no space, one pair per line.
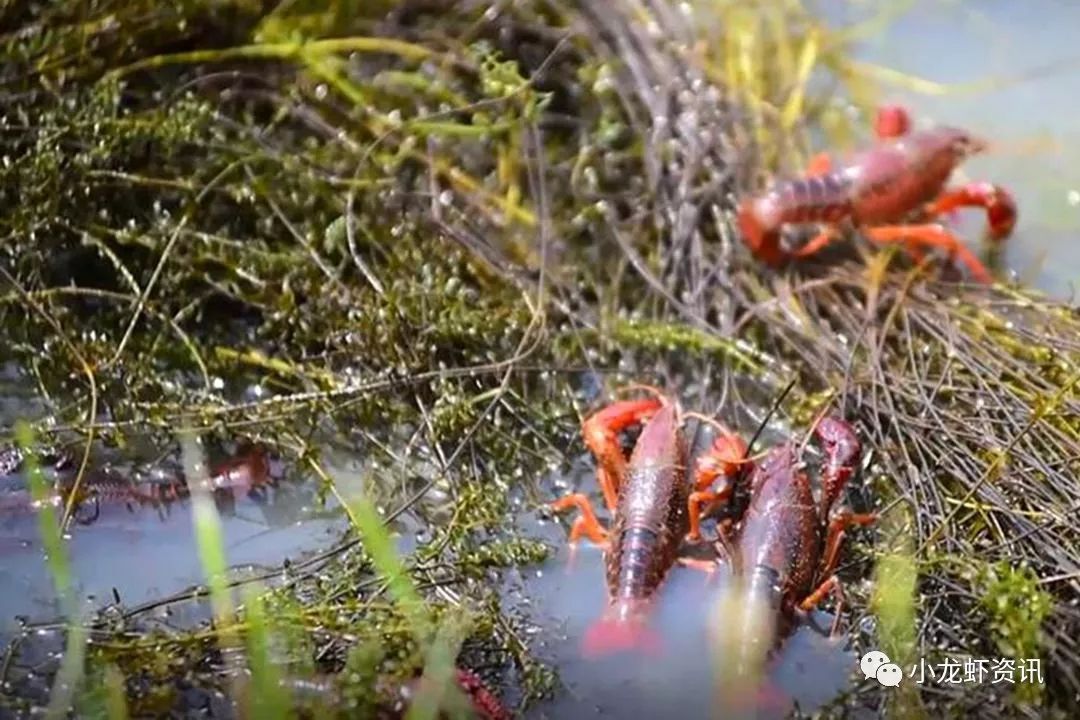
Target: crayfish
652,503
784,546
246,471
393,698
890,193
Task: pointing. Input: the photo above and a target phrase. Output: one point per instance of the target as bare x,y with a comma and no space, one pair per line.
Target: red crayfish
652,504
246,470
393,698
879,191
784,546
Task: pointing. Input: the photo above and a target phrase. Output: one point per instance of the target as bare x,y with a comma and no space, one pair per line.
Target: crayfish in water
651,502
394,698
246,471
785,545
890,193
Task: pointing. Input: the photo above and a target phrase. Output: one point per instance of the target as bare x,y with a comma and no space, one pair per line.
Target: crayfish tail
619,635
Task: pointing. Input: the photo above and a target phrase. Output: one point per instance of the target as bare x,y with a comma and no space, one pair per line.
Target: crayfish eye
966,145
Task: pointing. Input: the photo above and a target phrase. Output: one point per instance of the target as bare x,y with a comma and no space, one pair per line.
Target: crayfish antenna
651,389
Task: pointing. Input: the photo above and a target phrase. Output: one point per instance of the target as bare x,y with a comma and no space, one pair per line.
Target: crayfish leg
698,500
723,546
601,433
831,586
585,524
724,459
841,520
998,203
931,236
818,242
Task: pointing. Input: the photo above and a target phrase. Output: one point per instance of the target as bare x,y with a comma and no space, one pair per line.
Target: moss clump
1017,607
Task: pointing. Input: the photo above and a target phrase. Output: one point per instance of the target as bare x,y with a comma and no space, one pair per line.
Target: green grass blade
208,534
438,690
380,545
115,694
70,674
267,698
894,602
48,520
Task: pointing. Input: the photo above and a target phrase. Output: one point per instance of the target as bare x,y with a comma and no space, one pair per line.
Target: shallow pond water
568,594
1029,46
1027,54
138,554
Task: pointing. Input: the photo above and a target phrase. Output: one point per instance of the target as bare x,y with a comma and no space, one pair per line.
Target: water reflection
567,594
140,548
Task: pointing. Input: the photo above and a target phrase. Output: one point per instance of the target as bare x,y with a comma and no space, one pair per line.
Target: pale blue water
1031,48
567,594
141,555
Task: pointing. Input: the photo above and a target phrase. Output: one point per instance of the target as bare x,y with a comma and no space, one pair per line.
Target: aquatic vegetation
894,605
1018,607
430,236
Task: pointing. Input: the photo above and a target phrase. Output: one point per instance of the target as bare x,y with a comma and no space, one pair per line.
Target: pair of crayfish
785,545
891,193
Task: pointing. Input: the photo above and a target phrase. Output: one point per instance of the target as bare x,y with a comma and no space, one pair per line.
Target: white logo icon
875,664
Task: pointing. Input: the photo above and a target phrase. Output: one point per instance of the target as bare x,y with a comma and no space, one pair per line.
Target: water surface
1029,52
